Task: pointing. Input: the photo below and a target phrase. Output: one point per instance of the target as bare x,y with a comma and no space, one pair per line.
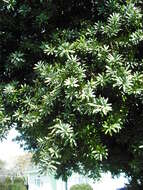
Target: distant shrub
8,180
81,187
8,184
2,186
18,186
18,180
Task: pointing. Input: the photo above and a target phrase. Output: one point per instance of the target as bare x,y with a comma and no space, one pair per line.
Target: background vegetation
15,184
81,187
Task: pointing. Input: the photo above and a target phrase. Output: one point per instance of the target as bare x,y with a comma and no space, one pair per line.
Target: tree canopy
71,76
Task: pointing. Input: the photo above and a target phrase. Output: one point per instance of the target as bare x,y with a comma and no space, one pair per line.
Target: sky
9,150
106,183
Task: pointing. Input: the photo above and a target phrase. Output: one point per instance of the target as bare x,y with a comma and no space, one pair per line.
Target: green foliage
2,186
18,186
18,180
8,184
2,164
8,180
71,78
81,187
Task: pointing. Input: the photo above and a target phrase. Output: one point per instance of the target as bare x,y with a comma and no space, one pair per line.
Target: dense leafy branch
72,81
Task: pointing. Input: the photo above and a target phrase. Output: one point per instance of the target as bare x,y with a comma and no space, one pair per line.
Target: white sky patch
108,182
9,149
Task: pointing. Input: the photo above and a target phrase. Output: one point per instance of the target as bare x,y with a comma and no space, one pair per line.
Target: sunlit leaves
83,45
52,75
112,5
71,82
136,37
103,52
65,131
30,119
100,152
17,59
137,83
48,49
101,80
49,151
9,89
101,105
113,25
41,68
141,146
113,124
48,155
111,128
133,15
87,92
10,4
4,120
114,59
65,49
18,115
74,67
121,78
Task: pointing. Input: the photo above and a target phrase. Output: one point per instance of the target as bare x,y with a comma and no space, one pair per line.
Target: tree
22,163
72,83
8,184
2,164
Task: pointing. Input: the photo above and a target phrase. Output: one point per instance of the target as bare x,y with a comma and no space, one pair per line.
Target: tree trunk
66,184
